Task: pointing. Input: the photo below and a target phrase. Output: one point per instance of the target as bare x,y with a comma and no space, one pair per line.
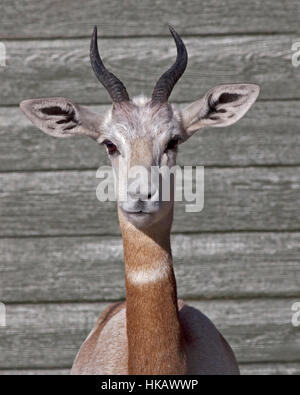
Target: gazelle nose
138,194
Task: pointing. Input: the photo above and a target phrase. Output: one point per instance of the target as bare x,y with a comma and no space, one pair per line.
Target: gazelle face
140,139
142,132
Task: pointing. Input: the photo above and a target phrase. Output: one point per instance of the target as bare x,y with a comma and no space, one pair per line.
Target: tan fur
106,352
153,332
155,340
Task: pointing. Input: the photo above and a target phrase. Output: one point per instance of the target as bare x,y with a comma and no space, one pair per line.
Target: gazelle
152,332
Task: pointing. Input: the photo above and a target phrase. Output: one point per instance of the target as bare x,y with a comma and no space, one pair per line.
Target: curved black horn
167,81
111,83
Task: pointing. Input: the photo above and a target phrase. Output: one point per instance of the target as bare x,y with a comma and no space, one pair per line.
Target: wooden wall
61,254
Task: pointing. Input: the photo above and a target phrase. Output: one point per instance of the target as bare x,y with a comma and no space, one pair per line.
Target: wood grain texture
50,335
62,67
260,369
268,135
35,372
65,203
207,266
269,369
53,18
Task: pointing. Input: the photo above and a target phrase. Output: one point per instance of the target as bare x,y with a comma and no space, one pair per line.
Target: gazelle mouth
140,212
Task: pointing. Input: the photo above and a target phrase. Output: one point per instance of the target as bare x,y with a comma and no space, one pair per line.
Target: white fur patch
141,277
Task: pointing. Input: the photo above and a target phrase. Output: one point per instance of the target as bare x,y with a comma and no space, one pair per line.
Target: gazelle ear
59,117
221,106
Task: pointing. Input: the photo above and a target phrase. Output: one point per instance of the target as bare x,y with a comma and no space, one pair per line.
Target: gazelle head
143,131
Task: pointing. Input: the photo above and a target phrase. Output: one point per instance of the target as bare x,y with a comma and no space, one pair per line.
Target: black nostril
149,196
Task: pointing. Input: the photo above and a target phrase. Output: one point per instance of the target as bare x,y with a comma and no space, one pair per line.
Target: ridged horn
167,81
111,83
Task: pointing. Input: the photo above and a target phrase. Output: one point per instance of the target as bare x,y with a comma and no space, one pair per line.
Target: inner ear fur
60,117
221,106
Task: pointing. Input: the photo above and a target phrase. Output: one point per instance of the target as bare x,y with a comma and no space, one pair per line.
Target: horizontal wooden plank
50,335
67,19
35,372
269,369
256,140
62,67
207,266
24,147
260,369
65,203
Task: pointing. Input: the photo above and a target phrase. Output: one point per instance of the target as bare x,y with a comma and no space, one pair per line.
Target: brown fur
153,333
207,352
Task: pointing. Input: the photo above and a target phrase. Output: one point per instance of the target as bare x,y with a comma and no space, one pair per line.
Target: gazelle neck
155,341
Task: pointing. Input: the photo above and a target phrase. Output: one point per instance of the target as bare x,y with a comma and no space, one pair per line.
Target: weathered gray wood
70,19
44,338
267,135
50,335
35,372
262,369
207,266
267,369
23,146
62,67
65,203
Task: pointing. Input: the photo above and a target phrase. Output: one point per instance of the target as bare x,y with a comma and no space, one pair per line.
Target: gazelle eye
173,144
111,147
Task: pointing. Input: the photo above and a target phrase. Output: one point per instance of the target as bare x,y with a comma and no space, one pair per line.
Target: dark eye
173,144
111,147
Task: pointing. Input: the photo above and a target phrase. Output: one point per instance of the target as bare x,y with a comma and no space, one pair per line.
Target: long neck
155,341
